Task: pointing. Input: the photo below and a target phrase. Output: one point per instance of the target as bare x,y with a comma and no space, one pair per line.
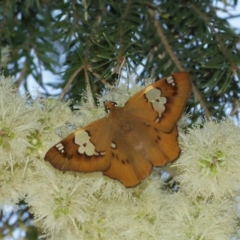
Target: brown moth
132,139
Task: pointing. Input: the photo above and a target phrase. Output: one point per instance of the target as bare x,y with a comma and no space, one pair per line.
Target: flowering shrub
91,206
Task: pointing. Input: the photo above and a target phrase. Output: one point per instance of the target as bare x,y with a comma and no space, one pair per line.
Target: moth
132,139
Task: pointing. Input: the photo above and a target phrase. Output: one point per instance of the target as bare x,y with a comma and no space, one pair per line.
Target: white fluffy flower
183,218
89,206
17,120
4,56
210,159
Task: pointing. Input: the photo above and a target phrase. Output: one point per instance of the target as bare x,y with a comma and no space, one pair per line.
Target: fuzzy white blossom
185,218
17,121
92,206
210,161
4,56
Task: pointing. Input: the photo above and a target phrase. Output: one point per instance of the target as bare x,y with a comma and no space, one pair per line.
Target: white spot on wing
60,147
158,102
170,81
85,145
113,145
157,120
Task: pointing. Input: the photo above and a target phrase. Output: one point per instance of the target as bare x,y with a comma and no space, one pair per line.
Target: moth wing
85,150
134,155
128,165
161,147
161,104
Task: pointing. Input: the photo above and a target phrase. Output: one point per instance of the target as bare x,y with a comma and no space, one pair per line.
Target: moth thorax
109,105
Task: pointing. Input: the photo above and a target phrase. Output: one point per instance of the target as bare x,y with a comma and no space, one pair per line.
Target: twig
67,86
164,40
22,74
198,98
235,106
89,88
168,48
219,40
102,80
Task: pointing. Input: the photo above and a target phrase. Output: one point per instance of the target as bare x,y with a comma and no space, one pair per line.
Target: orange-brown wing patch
86,150
135,153
161,104
161,147
128,165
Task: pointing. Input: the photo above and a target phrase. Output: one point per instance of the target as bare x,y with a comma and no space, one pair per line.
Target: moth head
109,105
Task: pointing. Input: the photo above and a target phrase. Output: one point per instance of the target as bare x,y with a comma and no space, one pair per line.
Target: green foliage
91,43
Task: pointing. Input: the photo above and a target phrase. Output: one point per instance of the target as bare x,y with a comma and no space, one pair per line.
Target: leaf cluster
93,44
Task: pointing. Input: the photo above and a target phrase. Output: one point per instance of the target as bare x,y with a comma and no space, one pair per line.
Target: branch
198,98
164,40
206,20
102,80
89,88
67,86
22,74
169,50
